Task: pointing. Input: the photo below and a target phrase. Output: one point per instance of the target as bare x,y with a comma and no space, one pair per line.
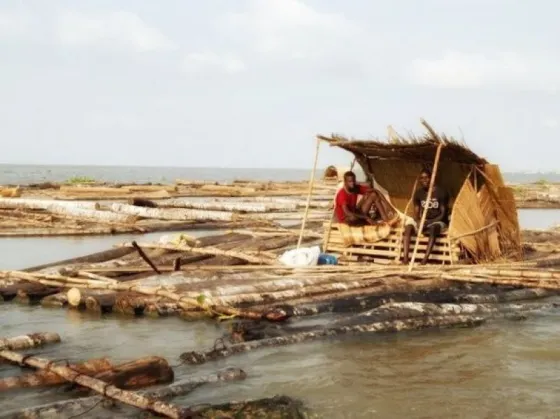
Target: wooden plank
441,247
386,253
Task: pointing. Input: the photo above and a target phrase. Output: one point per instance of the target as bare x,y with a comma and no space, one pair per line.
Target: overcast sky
248,83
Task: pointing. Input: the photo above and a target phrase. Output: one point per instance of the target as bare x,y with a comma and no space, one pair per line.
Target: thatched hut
483,222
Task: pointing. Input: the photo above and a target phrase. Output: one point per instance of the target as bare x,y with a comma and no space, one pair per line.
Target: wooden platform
385,251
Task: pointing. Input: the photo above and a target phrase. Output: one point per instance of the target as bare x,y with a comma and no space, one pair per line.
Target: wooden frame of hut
483,224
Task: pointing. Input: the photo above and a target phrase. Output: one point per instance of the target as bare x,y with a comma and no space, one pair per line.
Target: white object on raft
304,256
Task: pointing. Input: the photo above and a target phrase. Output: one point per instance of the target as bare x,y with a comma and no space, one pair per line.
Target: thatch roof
422,149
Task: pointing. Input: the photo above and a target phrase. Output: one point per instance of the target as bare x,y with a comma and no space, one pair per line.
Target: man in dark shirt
436,217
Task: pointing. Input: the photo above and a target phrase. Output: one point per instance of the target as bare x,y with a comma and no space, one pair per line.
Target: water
25,174
506,369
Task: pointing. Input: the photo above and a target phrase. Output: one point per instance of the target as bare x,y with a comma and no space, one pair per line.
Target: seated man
350,211
436,217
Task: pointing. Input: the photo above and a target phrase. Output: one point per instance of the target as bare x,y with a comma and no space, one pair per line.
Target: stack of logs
93,210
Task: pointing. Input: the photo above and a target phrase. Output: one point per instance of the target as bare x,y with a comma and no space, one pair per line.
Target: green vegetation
74,180
541,182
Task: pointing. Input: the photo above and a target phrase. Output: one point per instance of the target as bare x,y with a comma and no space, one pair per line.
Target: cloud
115,29
14,23
465,70
202,61
550,123
289,29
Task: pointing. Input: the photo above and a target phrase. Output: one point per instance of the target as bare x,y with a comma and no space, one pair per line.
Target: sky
249,83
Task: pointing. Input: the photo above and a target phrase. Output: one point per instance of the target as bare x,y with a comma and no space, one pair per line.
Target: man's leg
366,203
434,230
406,242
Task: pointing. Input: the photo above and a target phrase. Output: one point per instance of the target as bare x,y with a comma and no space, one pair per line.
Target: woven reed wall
506,212
398,178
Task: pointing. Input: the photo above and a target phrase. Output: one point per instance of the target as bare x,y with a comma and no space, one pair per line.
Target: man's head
349,181
425,176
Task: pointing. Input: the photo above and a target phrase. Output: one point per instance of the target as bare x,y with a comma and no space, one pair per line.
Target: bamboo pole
309,193
425,211
399,242
108,390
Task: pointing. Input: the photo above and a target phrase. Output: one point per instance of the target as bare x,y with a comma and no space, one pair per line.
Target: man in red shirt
347,208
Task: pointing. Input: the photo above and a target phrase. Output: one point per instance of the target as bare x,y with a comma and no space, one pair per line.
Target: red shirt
350,199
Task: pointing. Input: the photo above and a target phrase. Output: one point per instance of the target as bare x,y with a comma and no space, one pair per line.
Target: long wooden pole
425,211
108,390
309,193
399,243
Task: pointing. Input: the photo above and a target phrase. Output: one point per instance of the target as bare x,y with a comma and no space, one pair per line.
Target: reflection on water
505,369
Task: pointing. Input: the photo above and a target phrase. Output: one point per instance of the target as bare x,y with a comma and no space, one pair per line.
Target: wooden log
92,258
515,295
76,406
184,302
240,207
143,372
99,386
48,378
377,327
81,210
32,340
171,214
34,294
413,309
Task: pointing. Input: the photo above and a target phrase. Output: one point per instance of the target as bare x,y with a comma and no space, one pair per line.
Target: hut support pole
425,211
399,243
309,193
329,228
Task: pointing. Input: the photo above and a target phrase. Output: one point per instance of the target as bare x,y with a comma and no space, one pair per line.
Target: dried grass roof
420,149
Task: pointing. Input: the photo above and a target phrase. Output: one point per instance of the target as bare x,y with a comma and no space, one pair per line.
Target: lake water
499,370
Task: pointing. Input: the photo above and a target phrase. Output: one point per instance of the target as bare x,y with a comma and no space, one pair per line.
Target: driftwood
49,378
28,341
242,207
108,390
377,327
73,407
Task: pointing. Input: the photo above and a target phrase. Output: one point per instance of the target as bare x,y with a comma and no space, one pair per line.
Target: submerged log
49,378
515,295
377,327
28,341
143,372
281,407
108,390
77,406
